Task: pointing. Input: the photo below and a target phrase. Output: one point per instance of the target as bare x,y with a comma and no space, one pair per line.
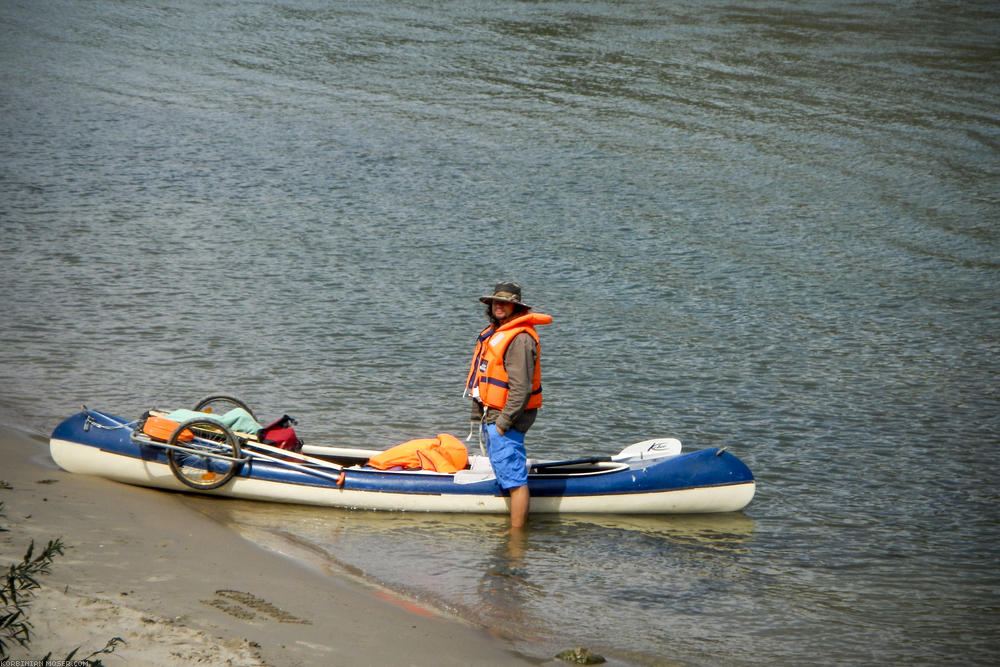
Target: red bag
281,434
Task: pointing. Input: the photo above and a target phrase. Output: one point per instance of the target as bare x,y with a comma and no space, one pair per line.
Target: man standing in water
505,382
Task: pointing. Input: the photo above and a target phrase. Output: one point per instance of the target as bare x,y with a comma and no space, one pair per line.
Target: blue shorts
507,456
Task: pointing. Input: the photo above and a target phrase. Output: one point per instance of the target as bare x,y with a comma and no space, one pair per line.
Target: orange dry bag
445,453
161,428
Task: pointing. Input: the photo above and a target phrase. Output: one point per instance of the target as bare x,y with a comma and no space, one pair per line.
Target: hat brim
490,299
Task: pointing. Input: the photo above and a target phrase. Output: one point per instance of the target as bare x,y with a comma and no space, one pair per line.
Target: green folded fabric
236,419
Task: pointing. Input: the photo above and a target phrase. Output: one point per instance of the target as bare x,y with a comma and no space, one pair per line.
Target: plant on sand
16,591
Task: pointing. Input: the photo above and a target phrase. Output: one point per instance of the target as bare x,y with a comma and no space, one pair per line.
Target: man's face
502,310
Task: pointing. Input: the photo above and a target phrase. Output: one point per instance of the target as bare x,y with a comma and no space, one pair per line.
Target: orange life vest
445,453
487,372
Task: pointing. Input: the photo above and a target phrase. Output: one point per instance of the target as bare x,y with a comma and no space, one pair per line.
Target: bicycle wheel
220,404
197,463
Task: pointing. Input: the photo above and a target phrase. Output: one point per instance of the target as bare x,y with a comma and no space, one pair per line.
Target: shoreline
179,587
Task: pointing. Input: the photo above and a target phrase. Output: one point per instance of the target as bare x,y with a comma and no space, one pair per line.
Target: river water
766,225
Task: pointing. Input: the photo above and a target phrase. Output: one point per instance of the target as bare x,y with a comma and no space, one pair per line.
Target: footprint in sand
246,607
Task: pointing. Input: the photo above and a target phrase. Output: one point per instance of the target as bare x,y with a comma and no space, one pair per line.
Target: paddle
287,452
296,466
656,448
571,462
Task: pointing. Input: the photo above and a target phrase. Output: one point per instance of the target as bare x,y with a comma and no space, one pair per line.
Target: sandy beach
179,588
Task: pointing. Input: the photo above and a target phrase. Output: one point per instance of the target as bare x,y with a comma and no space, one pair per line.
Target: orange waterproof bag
161,428
445,453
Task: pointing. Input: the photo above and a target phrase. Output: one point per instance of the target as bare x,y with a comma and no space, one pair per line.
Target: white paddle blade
656,448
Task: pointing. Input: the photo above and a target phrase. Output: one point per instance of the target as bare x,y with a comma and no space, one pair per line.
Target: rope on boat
92,421
482,427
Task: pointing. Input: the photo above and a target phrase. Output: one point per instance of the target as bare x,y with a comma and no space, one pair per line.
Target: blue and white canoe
650,477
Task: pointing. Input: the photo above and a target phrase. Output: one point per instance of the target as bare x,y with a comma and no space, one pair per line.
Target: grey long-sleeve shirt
519,361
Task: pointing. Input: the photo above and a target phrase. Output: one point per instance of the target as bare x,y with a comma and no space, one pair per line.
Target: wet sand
180,588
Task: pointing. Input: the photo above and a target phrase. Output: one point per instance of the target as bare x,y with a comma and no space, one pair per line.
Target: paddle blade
656,448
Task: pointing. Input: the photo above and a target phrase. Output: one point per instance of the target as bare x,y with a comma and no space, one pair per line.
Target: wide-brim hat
506,292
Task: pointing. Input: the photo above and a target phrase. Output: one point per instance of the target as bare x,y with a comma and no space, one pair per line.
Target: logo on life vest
482,366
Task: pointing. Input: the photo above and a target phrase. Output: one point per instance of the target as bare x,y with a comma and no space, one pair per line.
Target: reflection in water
505,588
718,531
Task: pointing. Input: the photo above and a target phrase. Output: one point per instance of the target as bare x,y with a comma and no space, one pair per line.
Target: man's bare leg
519,501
